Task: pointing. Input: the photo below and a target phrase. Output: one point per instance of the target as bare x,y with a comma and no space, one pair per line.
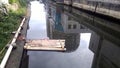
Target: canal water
91,42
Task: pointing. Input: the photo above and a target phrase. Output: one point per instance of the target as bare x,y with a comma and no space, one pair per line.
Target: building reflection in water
62,26
68,23
101,50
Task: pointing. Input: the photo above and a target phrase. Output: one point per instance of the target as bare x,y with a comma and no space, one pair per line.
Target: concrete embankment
15,58
106,8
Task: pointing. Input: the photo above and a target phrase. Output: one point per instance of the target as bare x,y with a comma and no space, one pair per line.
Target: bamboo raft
43,44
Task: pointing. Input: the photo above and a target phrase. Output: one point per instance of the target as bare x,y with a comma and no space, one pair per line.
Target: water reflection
62,26
105,36
37,19
91,42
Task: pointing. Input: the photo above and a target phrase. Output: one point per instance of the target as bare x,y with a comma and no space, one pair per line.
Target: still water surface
84,41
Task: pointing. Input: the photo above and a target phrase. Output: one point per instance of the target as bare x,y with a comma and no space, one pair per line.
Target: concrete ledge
112,13
17,54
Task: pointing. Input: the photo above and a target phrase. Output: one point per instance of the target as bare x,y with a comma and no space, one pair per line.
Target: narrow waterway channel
84,37
37,22
48,59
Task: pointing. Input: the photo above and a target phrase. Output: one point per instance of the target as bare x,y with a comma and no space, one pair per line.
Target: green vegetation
9,22
21,3
2,54
12,1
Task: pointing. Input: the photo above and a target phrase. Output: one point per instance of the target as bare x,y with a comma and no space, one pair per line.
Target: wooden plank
46,43
37,45
44,48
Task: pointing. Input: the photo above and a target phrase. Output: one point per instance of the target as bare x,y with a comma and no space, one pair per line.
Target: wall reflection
64,22
62,26
104,41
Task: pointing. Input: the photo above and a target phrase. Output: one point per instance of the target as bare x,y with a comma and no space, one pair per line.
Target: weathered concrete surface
106,7
100,10
16,55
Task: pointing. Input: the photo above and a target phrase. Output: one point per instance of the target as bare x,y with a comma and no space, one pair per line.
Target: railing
6,57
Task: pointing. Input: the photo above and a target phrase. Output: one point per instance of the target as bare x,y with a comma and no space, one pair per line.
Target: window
74,26
69,26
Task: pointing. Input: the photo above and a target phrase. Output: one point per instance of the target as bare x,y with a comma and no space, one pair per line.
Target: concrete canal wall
105,7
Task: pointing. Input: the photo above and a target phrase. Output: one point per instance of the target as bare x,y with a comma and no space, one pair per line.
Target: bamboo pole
6,57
